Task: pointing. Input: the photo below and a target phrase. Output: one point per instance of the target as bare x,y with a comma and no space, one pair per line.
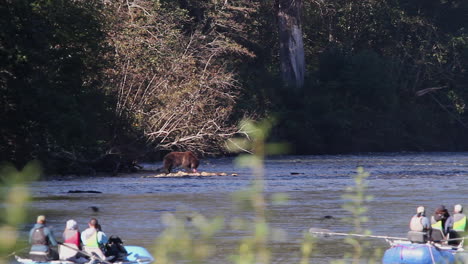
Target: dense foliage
51,59
80,78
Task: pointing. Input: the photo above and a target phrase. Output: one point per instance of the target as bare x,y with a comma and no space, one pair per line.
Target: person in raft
438,223
456,225
71,234
41,239
419,222
93,238
420,227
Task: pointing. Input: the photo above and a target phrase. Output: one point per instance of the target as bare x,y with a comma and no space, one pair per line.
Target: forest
83,82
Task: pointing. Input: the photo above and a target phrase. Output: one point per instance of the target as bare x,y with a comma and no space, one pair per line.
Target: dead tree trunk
291,45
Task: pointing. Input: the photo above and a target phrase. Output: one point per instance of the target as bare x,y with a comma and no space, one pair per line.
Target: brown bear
186,160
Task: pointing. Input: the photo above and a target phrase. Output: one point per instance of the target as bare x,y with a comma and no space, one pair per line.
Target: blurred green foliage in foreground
14,195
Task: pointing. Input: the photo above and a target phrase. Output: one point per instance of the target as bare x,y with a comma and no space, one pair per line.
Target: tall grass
355,203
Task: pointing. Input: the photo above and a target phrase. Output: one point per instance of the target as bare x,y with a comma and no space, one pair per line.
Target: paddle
326,232
14,252
319,231
457,238
85,253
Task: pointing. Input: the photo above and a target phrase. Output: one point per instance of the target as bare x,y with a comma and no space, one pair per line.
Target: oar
14,252
457,238
319,231
85,253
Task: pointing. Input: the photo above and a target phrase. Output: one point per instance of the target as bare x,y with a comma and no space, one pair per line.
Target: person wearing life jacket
419,222
71,234
456,224
41,239
419,227
93,237
438,221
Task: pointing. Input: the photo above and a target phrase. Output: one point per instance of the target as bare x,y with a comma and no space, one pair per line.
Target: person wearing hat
419,222
71,234
41,239
456,224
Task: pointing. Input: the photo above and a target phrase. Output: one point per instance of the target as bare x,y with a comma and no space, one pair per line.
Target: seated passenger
438,221
41,239
71,234
71,241
94,240
419,225
419,222
456,225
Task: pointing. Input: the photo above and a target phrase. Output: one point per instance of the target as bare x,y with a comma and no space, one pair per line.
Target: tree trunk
291,45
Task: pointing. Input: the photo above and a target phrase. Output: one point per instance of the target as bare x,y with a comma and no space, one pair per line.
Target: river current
130,206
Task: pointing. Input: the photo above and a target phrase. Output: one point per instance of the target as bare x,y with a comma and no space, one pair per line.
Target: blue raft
418,254
136,255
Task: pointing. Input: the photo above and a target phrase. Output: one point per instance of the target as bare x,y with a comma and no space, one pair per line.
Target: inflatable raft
413,253
136,255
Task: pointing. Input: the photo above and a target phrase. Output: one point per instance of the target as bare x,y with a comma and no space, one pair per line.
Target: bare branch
429,90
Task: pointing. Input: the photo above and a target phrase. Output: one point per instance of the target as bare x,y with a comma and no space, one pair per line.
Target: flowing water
131,206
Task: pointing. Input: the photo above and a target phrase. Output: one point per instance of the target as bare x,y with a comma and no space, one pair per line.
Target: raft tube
417,254
138,254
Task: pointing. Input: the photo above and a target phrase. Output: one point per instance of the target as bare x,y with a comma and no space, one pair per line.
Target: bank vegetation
84,84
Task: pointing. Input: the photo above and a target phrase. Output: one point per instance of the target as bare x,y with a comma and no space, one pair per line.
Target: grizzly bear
186,160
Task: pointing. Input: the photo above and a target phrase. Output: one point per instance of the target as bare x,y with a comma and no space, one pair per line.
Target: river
131,206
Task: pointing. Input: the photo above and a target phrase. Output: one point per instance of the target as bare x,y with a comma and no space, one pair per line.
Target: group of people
42,239
442,227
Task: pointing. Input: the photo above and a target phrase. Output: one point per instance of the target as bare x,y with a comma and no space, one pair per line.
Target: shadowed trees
51,56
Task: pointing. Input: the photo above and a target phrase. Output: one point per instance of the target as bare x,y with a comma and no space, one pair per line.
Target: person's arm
30,235
449,224
425,223
102,238
51,237
83,236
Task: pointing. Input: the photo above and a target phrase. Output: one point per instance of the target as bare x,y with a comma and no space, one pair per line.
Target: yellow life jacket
92,241
460,225
437,225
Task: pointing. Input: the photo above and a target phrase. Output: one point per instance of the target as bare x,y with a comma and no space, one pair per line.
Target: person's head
72,225
93,222
420,210
458,209
440,210
41,219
